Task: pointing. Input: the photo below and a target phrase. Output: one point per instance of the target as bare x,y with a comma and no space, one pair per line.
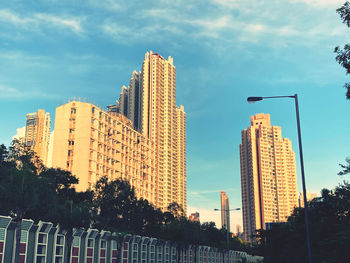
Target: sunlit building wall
180,158
225,211
309,197
123,101
161,123
37,134
268,175
92,143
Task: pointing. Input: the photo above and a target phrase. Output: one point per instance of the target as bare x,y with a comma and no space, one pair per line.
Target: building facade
135,100
37,134
268,175
151,99
309,197
225,211
92,143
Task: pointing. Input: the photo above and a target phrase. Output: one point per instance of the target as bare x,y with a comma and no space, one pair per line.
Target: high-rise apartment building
135,100
123,101
130,101
92,143
268,175
142,138
161,123
37,134
151,98
225,211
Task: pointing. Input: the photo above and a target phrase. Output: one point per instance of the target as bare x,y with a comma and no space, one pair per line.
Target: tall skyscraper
268,175
148,145
151,106
135,100
225,211
92,143
123,101
160,123
37,134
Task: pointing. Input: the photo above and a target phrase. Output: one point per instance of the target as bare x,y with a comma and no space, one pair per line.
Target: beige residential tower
92,143
268,175
37,134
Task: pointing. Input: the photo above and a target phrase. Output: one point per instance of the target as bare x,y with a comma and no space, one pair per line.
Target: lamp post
227,232
295,97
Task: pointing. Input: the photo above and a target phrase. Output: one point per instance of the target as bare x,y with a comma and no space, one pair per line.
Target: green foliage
116,208
345,167
30,190
329,217
22,192
343,55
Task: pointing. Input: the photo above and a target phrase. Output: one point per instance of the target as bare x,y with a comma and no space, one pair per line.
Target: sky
224,51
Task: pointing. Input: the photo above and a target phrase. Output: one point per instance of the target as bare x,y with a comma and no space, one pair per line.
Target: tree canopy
329,217
30,190
343,55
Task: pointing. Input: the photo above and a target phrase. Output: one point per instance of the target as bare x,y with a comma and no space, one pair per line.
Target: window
103,244
90,242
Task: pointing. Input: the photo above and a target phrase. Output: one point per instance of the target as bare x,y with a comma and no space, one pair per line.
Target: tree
345,167
329,217
22,192
28,189
343,55
70,209
73,213
113,203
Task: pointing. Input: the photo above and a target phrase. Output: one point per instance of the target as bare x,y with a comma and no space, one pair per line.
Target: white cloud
321,3
16,94
10,17
227,3
20,133
41,19
63,22
110,5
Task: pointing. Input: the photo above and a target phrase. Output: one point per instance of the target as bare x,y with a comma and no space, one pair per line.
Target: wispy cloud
73,24
321,3
16,94
32,22
111,5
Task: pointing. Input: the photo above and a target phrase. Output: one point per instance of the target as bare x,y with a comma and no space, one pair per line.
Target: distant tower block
268,175
37,133
225,211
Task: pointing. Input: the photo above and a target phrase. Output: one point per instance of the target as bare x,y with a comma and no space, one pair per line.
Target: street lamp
227,232
295,97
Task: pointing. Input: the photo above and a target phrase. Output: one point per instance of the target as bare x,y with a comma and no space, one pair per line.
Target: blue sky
224,51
